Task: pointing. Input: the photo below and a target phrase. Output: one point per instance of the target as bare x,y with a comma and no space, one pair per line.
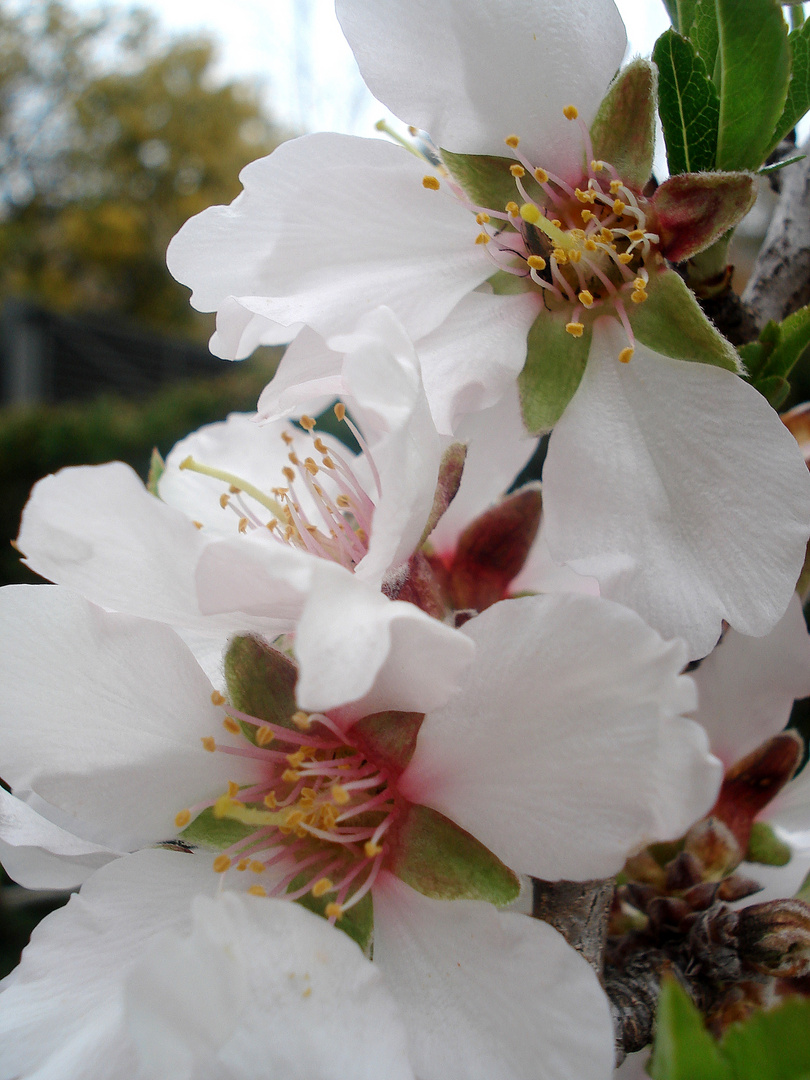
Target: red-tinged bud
683,872
416,583
694,210
754,780
492,550
797,421
715,846
774,938
447,485
736,887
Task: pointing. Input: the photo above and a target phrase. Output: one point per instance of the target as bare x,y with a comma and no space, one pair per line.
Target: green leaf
555,363
671,322
358,922
217,833
771,1045
623,132
261,682
681,13
688,104
390,738
772,358
704,34
439,859
798,96
157,467
683,1048
765,847
487,180
774,389
672,11
754,75
766,170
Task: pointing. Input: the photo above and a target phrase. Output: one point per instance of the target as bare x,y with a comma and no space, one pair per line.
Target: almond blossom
118,739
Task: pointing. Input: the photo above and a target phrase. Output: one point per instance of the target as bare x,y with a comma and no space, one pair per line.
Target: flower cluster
304,723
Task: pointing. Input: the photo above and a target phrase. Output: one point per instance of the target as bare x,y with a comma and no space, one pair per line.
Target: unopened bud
774,938
714,844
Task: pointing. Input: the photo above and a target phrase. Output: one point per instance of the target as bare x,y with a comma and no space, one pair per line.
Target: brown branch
579,910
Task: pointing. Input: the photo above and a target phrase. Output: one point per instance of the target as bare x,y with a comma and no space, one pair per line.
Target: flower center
584,248
321,810
333,519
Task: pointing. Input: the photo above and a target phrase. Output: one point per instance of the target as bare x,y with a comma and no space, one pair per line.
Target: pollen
339,794
224,499
340,410
586,298
310,466
257,890
243,524
306,422
371,849
482,218
231,725
270,800
198,525
512,140
287,438
343,501
570,112
618,207
217,698
586,215
296,759
257,867
322,887
560,255
536,262
221,864
209,743
291,776
638,296
541,176
636,235
590,245
301,720
517,171
233,789
182,819
575,329
431,183
243,864
264,736
597,166
327,462
625,257
512,208
482,238
575,255
333,911
626,355
615,187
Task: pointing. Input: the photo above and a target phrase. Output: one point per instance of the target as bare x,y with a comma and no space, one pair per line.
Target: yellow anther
233,789
560,255
221,864
310,466
625,257
586,298
339,794
217,698
322,887
243,524
625,355
301,720
482,238
340,410
597,166
182,819
234,490
243,864
575,329
293,818
264,736
371,849
327,462
270,800
431,183
329,816
590,245
224,499
638,296
333,911
579,234
257,890
575,255
556,221
541,176
517,171
343,501
482,218
570,112
411,129
615,187
618,207
320,446
292,457
536,262
529,212
198,525
586,215
512,140
291,776
640,283
257,867
209,743
636,235
231,725
287,438
288,473
296,759
307,992
512,208
606,236
361,535
306,422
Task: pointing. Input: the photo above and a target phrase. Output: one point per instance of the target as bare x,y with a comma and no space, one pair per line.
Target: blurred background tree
111,136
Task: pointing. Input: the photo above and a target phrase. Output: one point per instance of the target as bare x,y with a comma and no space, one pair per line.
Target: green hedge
37,440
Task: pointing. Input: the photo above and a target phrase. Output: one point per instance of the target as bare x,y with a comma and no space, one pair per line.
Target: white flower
566,750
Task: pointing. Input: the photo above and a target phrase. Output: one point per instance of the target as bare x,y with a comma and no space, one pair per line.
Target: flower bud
774,938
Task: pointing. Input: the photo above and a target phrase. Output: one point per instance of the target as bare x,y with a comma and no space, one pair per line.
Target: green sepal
683,1048
765,847
694,210
775,390
358,922
773,356
798,96
261,682
771,1045
441,860
157,467
623,132
389,737
671,322
688,104
217,833
486,179
555,364
754,57
777,166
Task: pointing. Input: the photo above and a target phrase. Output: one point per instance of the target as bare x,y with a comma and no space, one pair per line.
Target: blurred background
116,125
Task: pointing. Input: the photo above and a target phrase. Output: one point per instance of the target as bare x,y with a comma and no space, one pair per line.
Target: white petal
328,227
240,331
61,1013
790,812
566,751
677,486
309,370
747,686
471,72
487,994
39,854
104,716
634,1067
777,882
476,354
541,574
262,987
